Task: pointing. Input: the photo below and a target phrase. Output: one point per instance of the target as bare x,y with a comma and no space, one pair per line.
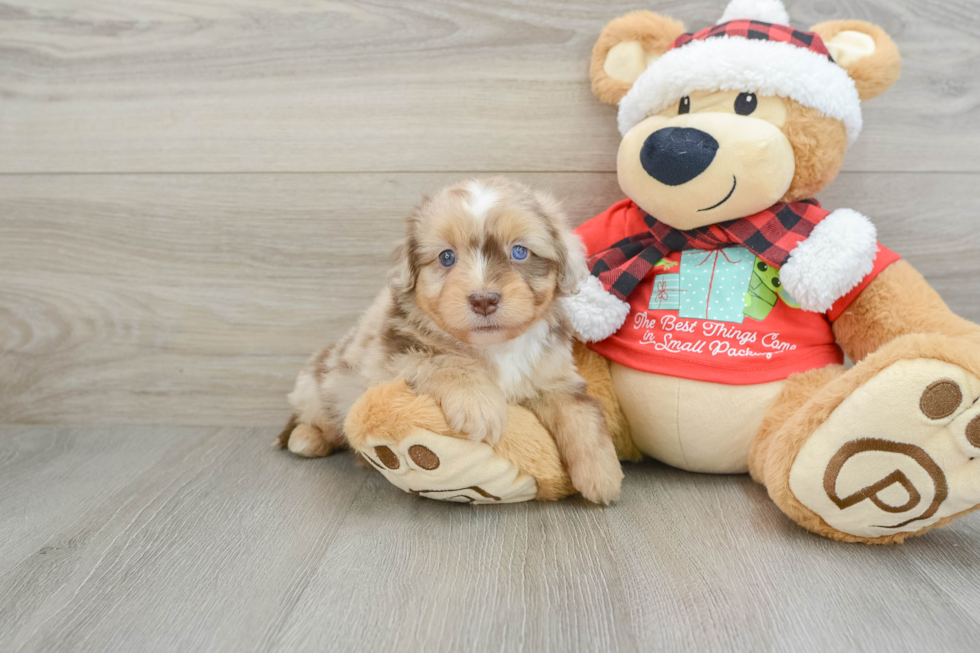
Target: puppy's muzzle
484,303
676,155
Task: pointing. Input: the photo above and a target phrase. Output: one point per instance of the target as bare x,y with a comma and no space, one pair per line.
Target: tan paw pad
896,455
448,469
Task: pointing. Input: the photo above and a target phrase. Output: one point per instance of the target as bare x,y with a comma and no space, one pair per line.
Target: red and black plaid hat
759,31
753,50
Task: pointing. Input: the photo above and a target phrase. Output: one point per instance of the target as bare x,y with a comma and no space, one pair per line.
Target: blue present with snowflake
713,283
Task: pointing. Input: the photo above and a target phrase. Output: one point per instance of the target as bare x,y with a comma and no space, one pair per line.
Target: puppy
470,317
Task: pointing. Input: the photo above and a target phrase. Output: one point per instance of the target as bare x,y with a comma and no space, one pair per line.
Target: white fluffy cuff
839,253
595,313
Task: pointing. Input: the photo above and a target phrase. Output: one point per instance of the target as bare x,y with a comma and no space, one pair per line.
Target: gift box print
713,284
666,293
765,289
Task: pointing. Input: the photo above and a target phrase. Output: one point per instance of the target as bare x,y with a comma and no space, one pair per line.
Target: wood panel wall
194,196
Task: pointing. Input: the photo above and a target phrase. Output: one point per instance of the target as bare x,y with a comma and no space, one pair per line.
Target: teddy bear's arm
595,313
831,261
621,220
898,302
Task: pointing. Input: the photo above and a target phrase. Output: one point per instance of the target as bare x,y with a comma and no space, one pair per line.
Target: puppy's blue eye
447,258
518,253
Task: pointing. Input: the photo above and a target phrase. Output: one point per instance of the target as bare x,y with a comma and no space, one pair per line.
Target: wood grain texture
194,299
208,540
391,85
282,145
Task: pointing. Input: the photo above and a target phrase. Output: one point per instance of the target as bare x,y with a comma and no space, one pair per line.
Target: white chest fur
512,362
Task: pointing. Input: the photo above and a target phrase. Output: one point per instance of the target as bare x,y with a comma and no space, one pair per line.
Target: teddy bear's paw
447,468
898,455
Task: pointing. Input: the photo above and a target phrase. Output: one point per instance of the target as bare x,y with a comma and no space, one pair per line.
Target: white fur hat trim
733,63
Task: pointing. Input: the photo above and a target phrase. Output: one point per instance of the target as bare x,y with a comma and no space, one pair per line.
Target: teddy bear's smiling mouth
734,184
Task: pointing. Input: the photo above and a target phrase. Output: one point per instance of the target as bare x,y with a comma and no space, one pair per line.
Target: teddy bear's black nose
676,155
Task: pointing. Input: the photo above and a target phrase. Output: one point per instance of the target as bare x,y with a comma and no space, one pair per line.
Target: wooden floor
202,538
195,195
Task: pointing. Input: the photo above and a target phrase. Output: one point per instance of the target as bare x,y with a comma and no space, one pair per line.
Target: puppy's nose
676,155
484,303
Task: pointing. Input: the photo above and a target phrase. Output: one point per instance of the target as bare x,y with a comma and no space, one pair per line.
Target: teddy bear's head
726,122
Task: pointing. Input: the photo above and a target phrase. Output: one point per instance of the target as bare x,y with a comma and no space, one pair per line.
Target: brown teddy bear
723,297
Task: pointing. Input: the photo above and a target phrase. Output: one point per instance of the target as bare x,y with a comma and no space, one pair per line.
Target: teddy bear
723,297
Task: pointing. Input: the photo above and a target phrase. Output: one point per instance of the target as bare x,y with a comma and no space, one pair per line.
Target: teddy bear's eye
745,103
684,106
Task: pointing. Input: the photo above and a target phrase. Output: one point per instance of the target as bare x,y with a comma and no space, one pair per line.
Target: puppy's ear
625,48
570,252
865,51
404,272
576,270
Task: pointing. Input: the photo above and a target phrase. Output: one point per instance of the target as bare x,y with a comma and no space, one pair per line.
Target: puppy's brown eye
447,258
684,106
745,103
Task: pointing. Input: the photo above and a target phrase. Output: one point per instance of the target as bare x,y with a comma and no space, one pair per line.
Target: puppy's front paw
598,478
480,413
309,441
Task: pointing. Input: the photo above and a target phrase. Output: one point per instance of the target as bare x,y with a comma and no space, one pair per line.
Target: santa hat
752,48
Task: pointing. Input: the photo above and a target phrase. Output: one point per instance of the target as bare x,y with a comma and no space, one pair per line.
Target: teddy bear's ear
865,51
625,48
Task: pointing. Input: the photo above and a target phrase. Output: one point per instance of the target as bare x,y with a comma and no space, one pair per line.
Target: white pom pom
838,255
767,11
594,312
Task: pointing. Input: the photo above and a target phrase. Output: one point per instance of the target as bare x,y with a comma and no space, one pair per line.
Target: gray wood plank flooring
206,539
196,195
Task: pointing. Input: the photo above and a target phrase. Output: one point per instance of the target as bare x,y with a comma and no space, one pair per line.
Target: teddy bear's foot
407,439
449,469
900,454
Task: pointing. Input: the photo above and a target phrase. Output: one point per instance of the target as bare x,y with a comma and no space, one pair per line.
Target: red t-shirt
719,316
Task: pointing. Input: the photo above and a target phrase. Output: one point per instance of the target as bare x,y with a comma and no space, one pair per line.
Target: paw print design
447,468
898,455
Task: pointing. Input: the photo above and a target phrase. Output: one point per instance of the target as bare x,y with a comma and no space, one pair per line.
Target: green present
760,299
765,290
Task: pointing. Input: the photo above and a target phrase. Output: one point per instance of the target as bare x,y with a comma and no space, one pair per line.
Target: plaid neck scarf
770,234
